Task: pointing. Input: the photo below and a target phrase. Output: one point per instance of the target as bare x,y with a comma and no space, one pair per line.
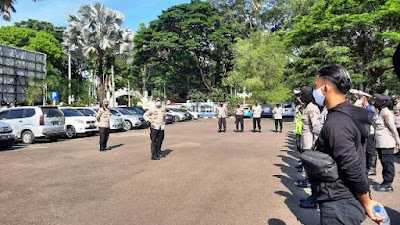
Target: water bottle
382,213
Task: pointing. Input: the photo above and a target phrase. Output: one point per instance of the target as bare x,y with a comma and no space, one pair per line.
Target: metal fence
16,65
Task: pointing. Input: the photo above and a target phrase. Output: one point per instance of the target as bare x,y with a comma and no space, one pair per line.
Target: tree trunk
203,78
100,75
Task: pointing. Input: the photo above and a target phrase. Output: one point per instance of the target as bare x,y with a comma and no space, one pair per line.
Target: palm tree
6,6
96,33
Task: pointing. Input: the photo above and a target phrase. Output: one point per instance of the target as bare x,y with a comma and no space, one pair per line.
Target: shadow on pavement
112,147
274,221
294,193
166,152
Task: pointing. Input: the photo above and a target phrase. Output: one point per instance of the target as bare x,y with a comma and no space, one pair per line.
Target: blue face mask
158,104
319,96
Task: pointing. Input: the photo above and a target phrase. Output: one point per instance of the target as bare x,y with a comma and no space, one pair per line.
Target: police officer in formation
239,112
256,110
222,113
156,117
387,139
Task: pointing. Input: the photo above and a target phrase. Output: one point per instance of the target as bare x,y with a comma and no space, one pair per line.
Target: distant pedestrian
396,112
222,113
371,152
156,117
278,117
387,139
239,112
256,111
103,118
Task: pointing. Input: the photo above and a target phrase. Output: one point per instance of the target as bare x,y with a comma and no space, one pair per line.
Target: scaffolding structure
16,65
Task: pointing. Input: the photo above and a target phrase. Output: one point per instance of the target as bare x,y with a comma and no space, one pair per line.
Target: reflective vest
299,124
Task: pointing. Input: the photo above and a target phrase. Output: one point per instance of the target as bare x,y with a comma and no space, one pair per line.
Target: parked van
76,123
31,122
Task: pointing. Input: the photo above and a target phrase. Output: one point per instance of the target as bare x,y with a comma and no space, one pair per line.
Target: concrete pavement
206,178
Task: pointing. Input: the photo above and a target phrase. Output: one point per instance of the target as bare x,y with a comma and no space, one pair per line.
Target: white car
288,109
32,122
76,123
116,123
131,120
177,114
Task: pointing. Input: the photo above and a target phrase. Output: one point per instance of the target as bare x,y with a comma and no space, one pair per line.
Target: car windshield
137,109
71,112
96,110
124,112
287,106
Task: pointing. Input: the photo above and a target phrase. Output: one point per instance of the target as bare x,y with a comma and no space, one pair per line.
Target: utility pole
113,85
69,77
129,95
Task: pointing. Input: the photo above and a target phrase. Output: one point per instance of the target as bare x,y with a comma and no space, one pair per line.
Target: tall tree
369,29
57,32
96,33
190,32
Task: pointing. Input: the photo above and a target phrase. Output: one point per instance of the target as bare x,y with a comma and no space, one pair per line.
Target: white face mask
158,104
319,96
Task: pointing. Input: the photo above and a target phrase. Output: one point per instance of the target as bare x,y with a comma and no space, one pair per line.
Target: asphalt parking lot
206,178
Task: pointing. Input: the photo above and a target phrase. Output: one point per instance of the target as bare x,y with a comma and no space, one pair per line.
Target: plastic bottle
382,213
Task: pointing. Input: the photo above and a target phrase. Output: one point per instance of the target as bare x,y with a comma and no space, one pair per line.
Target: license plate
56,123
4,137
92,126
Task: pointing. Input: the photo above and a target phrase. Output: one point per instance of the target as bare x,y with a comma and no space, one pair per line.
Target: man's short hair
338,76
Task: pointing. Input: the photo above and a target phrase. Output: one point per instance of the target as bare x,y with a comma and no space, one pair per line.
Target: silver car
31,122
131,120
7,138
116,123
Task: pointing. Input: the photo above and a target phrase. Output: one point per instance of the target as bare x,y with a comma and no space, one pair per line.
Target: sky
56,11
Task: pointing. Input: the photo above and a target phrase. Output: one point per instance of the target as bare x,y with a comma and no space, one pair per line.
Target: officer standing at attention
387,139
156,117
278,116
103,117
222,113
239,118
256,117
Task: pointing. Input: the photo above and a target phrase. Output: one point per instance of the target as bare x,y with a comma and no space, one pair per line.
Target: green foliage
260,64
217,95
367,30
196,96
232,103
42,26
33,40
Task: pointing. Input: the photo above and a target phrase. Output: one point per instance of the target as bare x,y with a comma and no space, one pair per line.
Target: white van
77,123
31,122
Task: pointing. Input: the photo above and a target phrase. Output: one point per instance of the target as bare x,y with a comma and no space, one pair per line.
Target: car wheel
28,137
53,139
177,119
127,125
71,133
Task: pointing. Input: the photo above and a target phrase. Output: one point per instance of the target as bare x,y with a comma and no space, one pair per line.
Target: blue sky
56,11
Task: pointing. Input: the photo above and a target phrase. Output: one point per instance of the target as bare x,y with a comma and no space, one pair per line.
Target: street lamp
244,95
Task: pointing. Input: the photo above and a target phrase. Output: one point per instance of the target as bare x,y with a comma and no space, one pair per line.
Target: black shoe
102,149
219,131
107,148
236,131
309,204
308,199
299,167
154,157
280,131
384,188
305,184
253,131
224,131
259,131
301,170
372,172
241,131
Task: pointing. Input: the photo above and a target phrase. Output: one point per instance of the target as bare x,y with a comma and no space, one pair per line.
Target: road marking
38,147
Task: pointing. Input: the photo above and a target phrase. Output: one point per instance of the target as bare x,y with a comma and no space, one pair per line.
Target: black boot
154,157
384,187
371,167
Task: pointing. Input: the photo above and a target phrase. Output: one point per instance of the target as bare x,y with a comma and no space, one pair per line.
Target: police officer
387,138
222,113
103,117
256,110
239,112
156,117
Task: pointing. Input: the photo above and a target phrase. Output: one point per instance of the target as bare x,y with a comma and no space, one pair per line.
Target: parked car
131,120
169,119
116,123
134,109
7,137
32,122
76,123
247,112
191,115
288,109
177,114
267,110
